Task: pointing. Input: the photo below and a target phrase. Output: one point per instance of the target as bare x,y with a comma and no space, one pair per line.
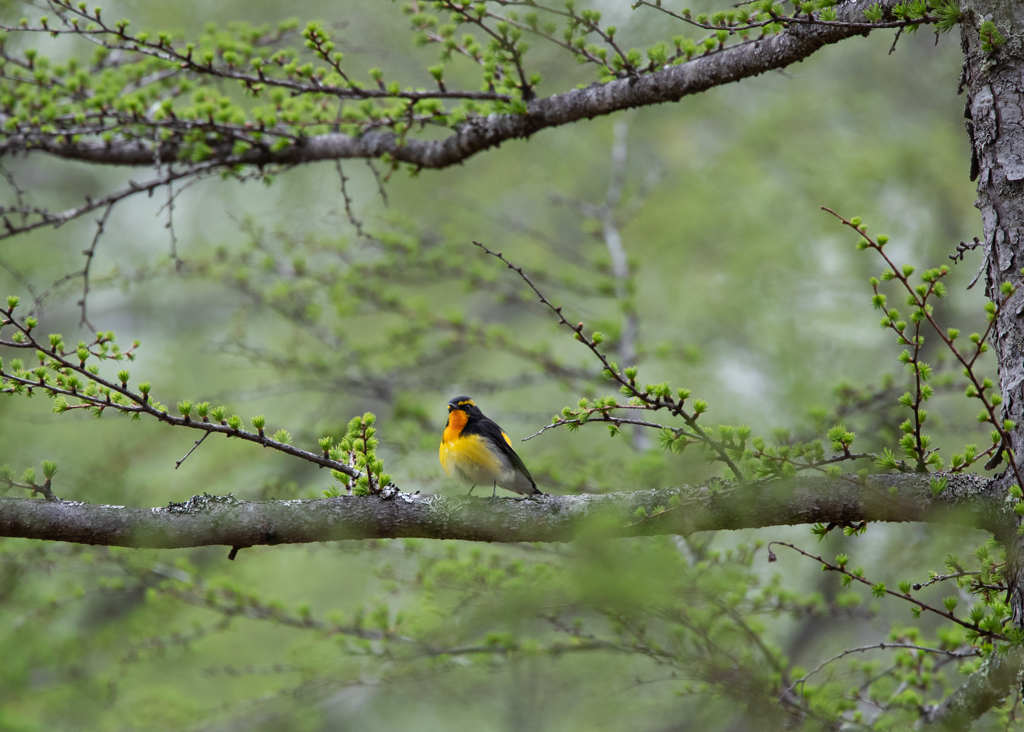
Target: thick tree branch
732,64
988,686
968,500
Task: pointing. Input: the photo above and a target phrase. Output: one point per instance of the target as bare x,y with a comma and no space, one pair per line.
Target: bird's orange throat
456,421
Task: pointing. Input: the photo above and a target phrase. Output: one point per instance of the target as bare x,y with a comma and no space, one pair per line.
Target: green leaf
887,460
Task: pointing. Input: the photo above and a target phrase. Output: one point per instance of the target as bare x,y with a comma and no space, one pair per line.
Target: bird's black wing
490,429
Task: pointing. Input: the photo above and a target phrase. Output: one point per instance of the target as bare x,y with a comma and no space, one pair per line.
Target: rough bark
988,686
669,85
994,81
969,500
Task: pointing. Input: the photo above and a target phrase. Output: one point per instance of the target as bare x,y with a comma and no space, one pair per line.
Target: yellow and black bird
476,451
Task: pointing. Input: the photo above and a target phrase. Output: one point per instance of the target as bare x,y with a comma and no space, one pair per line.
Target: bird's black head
465,404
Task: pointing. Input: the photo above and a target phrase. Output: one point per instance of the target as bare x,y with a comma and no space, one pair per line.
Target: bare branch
89,253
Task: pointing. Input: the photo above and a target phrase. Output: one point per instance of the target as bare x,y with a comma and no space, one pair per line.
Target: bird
476,451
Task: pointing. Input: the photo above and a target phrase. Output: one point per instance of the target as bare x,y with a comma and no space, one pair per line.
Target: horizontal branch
671,84
969,500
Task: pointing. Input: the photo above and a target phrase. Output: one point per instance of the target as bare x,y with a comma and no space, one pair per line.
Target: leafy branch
651,397
29,480
63,375
914,443
980,625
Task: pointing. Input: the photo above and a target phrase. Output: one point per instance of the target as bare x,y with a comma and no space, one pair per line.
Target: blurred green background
745,291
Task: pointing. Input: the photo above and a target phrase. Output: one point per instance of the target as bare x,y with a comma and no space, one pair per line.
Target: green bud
283,436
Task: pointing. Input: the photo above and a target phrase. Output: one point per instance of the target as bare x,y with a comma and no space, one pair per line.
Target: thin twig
380,183
89,254
612,371
855,577
943,578
878,646
170,227
352,219
198,443
604,418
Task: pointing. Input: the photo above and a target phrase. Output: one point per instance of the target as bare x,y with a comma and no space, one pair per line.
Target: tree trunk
994,80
